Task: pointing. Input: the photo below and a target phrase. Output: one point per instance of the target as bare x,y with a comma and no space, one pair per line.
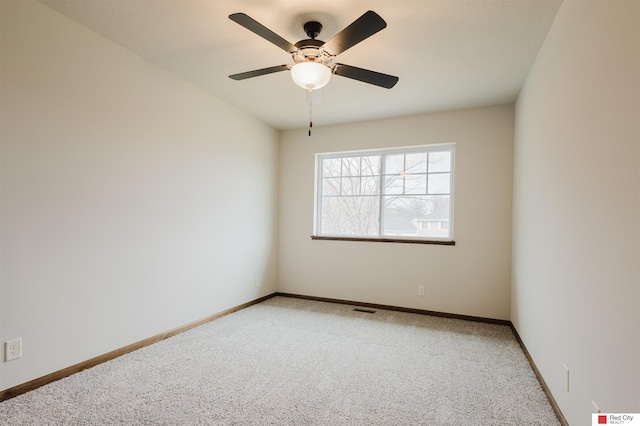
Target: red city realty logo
602,420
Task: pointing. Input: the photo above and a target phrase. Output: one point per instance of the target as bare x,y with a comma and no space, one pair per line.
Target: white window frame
383,152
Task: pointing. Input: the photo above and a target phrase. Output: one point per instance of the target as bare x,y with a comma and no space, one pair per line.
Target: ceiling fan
313,59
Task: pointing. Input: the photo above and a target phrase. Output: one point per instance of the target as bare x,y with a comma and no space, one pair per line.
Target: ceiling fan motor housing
310,51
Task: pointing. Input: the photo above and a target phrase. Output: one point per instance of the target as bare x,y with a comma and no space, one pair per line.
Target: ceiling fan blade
264,32
372,77
257,73
360,29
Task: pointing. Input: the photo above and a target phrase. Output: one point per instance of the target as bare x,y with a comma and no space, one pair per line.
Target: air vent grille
368,311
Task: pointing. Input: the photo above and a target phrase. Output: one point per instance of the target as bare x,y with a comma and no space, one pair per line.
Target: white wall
576,283
471,278
132,202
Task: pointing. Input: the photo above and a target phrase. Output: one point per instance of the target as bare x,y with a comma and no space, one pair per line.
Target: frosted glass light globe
310,75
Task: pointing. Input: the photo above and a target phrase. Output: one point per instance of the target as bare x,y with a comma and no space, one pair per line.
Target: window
401,193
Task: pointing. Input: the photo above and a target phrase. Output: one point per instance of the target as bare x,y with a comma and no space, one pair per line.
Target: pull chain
310,111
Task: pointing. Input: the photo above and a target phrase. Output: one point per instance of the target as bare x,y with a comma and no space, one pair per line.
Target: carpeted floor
289,361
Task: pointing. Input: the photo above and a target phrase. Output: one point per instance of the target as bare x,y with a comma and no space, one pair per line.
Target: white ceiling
449,54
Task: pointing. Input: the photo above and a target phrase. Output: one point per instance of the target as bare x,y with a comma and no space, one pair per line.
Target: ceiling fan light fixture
311,75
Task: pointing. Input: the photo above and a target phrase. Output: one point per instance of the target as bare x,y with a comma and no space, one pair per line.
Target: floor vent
368,311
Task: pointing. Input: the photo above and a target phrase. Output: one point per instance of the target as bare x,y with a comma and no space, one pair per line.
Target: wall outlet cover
12,349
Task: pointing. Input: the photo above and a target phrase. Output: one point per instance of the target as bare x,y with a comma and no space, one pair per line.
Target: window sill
386,240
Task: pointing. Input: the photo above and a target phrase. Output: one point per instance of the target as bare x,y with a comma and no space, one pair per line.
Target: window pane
440,203
408,207
331,167
400,214
415,184
350,186
393,184
370,185
439,161
371,165
350,216
394,164
416,163
351,166
440,183
426,216
330,186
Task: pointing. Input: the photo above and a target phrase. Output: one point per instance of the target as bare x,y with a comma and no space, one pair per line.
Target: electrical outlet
420,290
258,282
566,369
12,349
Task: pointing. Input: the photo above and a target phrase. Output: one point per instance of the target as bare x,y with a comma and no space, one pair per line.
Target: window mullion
427,169
317,225
360,177
404,174
380,196
341,175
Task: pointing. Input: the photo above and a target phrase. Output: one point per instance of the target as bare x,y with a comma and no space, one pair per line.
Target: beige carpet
288,361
